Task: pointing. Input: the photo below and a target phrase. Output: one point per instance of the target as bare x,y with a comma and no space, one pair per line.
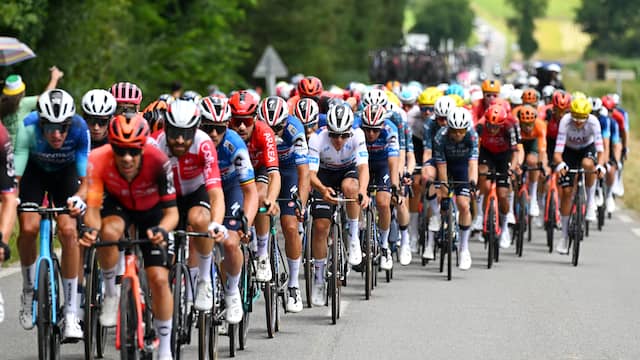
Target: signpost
270,67
619,76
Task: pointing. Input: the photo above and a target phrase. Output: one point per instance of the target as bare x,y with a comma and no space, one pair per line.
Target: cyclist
382,144
307,111
619,151
561,105
128,97
547,94
610,141
455,150
261,143
579,144
499,151
307,87
443,107
534,142
200,198
51,155
490,91
8,196
98,106
338,159
240,192
294,169
155,114
150,204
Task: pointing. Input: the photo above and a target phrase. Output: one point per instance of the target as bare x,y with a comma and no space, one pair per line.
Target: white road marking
625,218
343,307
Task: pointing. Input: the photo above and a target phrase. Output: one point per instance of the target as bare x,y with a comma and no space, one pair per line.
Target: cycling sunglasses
276,129
371,129
209,128
427,109
309,125
174,132
237,121
335,135
123,151
97,120
50,128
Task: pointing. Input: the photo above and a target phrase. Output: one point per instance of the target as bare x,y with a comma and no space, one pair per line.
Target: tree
523,22
438,20
612,24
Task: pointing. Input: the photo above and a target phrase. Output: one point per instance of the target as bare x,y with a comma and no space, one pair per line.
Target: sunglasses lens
51,128
122,151
247,121
174,133
92,121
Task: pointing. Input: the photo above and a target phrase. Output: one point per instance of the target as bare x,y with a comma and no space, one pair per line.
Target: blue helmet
455,89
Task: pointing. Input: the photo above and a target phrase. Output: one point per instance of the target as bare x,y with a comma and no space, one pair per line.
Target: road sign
269,67
621,74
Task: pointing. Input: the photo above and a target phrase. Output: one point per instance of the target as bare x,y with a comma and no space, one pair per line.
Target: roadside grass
559,39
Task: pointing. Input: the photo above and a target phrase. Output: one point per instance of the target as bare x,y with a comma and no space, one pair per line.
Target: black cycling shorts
60,184
200,197
498,162
331,178
573,158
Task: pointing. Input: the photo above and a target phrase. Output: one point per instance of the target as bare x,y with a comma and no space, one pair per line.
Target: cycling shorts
289,185
59,184
530,147
573,158
200,197
233,203
551,146
418,149
331,178
459,171
379,176
498,162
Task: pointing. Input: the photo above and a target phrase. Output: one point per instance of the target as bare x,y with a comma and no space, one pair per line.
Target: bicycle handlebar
129,243
36,208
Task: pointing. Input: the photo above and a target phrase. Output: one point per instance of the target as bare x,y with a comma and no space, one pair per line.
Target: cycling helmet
283,89
459,118
444,106
408,96
98,102
155,114
506,90
530,96
429,96
340,118
533,81
527,114
243,103
56,106
578,94
126,93
516,97
491,86
580,108
183,114
554,68
128,130
496,115
168,98
192,96
561,100
596,104
375,97
273,110
616,98
547,91
215,109
307,111
373,116
310,86
456,89
608,102
458,100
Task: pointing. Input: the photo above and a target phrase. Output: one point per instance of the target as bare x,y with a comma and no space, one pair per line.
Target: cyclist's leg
573,159
262,223
484,184
114,222
321,212
293,241
504,192
531,159
460,172
588,162
414,202
233,259
349,187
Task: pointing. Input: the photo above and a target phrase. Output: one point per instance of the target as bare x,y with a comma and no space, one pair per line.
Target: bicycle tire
232,331
43,319
180,311
440,244
522,213
450,235
247,297
204,325
334,278
529,230
308,263
491,234
271,294
601,215
550,224
128,322
579,221
368,278
94,333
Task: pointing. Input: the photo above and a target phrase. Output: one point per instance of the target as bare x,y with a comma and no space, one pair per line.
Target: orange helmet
530,96
156,105
128,130
310,86
527,114
154,113
495,115
491,86
561,100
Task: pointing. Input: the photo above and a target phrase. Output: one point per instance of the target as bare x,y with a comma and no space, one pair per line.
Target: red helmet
561,100
126,93
243,103
495,115
128,130
310,86
608,102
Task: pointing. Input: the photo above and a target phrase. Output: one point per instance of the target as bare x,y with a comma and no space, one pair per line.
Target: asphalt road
535,307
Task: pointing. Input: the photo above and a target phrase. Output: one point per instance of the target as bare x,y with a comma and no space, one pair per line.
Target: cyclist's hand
5,250
363,200
245,238
300,213
407,179
562,168
158,235
76,205
601,171
273,208
89,237
329,195
218,232
56,74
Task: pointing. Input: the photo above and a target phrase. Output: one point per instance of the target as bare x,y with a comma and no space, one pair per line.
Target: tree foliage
524,23
613,25
444,20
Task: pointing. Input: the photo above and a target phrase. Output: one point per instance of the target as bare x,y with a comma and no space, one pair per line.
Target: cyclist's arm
92,217
250,202
274,186
216,199
301,150
209,159
304,187
411,162
362,162
363,178
82,156
170,218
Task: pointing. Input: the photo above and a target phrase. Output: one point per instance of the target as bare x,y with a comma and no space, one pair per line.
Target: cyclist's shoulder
32,119
232,142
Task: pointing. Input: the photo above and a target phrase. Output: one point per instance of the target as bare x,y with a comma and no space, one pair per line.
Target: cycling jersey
431,128
619,118
386,145
196,167
233,160
323,155
605,125
579,138
151,187
262,147
477,110
97,144
415,121
31,145
405,134
446,150
615,132
7,177
625,115
292,146
538,131
506,139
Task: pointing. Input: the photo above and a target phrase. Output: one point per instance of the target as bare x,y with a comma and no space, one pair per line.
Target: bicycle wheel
366,251
550,223
308,263
232,331
180,311
522,218
43,319
440,243
578,224
207,330
128,322
601,215
490,237
94,333
334,278
451,229
246,283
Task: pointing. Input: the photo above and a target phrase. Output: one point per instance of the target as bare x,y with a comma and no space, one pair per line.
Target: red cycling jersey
262,147
198,166
506,139
152,186
618,116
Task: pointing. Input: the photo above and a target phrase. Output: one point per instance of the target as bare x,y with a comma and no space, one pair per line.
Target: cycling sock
70,289
534,189
404,236
430,236
511,198
163,328
465,231
231,287
193,275
294,270
384,239
591,193
109,276
263,241
353,228
434,204
204,268
121,264
413,226
565,226
504,226
318,265
28,274
479,202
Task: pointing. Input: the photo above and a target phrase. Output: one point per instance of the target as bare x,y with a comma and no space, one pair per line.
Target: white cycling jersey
577,138
416,121
322,153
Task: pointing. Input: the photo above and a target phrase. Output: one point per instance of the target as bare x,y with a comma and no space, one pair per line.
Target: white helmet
192,96
533,81
307,111
273,110
98,102
183,114
340,118
459,118
596,103
444,105
215,109
375,97
616,98
506,90
516,97
56,105
554,67
373,116
547,91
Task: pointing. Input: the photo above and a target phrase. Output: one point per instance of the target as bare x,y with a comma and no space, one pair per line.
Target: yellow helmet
459,100
391,97
429,96
580,107
578,94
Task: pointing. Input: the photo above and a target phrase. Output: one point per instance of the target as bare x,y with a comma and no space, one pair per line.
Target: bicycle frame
553,188
492,195
131,273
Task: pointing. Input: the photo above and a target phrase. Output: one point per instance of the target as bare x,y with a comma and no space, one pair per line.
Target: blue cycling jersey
386,145
292,146
431,129
615,132
233,160
446,150
605,125
32,146
404,131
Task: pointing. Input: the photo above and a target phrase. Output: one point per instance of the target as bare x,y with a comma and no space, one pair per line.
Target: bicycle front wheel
308,263
334,279
94,333
550,223
128,322
46,336
180,311
367,256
